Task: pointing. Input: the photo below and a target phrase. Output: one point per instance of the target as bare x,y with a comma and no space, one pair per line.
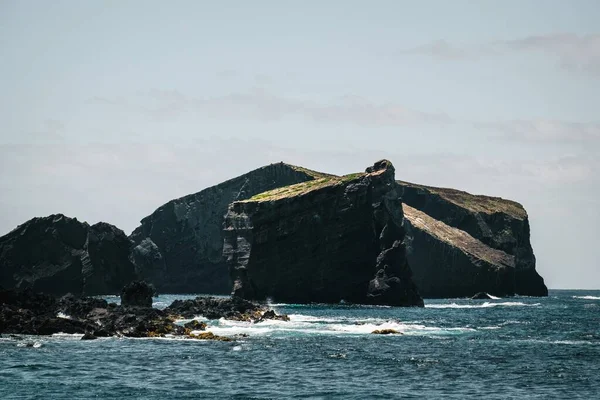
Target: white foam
587,297
63,315
487,304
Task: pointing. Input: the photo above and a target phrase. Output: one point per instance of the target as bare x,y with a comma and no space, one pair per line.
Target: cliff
179,246
493,222
58,255
327,240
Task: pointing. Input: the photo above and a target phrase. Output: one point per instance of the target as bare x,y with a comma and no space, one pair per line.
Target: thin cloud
264,105
539,131
576,53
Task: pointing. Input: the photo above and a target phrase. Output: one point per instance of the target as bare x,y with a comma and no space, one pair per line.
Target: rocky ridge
179,246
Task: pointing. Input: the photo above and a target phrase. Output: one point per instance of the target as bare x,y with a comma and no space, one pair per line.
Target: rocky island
292,234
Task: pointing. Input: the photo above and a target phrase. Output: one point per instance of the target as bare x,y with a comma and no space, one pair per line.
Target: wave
587,297
487,304
311,325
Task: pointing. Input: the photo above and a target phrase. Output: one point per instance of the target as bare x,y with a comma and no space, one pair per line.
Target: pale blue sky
110,108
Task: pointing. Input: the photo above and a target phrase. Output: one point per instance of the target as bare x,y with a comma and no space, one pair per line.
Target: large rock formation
58,255
179,247
328,240
491,232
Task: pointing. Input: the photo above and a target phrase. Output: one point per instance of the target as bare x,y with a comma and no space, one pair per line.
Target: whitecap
587,297
63,315
487,304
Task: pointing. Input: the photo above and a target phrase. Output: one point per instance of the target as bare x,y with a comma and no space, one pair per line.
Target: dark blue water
526,348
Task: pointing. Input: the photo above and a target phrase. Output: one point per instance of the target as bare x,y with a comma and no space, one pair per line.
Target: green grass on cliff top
303,188
476,203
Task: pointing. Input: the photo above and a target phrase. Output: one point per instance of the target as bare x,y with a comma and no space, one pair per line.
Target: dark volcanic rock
448,262
215,308
332,239
106,265
137,294
498,223
179,247
59,255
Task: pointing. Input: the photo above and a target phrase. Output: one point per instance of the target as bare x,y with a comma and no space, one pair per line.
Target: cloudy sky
110,108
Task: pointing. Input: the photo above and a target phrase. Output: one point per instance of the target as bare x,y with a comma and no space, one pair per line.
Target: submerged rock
327,240
490,236
59,255
386,332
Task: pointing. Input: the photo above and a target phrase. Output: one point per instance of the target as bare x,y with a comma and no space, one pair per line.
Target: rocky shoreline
30,313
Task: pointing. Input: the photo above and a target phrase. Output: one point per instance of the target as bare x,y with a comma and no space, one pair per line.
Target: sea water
519,347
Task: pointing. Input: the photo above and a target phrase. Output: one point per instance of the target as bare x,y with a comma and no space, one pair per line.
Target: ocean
510,348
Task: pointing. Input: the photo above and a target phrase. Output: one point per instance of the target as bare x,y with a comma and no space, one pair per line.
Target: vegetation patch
303,188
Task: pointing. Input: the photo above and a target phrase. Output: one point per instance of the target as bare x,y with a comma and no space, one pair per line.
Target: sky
108,109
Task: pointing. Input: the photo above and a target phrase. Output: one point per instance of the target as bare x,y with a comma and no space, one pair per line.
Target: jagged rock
89,336
137,294
327,240
59,255
481,296
195,325
497,223
179,247
215,308
26,312
272,315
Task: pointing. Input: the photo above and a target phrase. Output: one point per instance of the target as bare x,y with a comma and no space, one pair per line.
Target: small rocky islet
279,232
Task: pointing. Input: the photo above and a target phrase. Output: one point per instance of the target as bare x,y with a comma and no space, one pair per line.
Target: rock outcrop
327,240
27,312
491,232
137,294
59,255
179,247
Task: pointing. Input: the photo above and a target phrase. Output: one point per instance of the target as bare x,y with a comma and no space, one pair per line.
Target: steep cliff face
498,223
332,239
448,262
59,255
179,247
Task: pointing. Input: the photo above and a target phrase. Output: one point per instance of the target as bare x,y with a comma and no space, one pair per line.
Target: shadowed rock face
59,255
332,239
492,222
179,247
448,262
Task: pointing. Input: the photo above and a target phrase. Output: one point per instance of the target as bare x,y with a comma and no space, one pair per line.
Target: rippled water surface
526,348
